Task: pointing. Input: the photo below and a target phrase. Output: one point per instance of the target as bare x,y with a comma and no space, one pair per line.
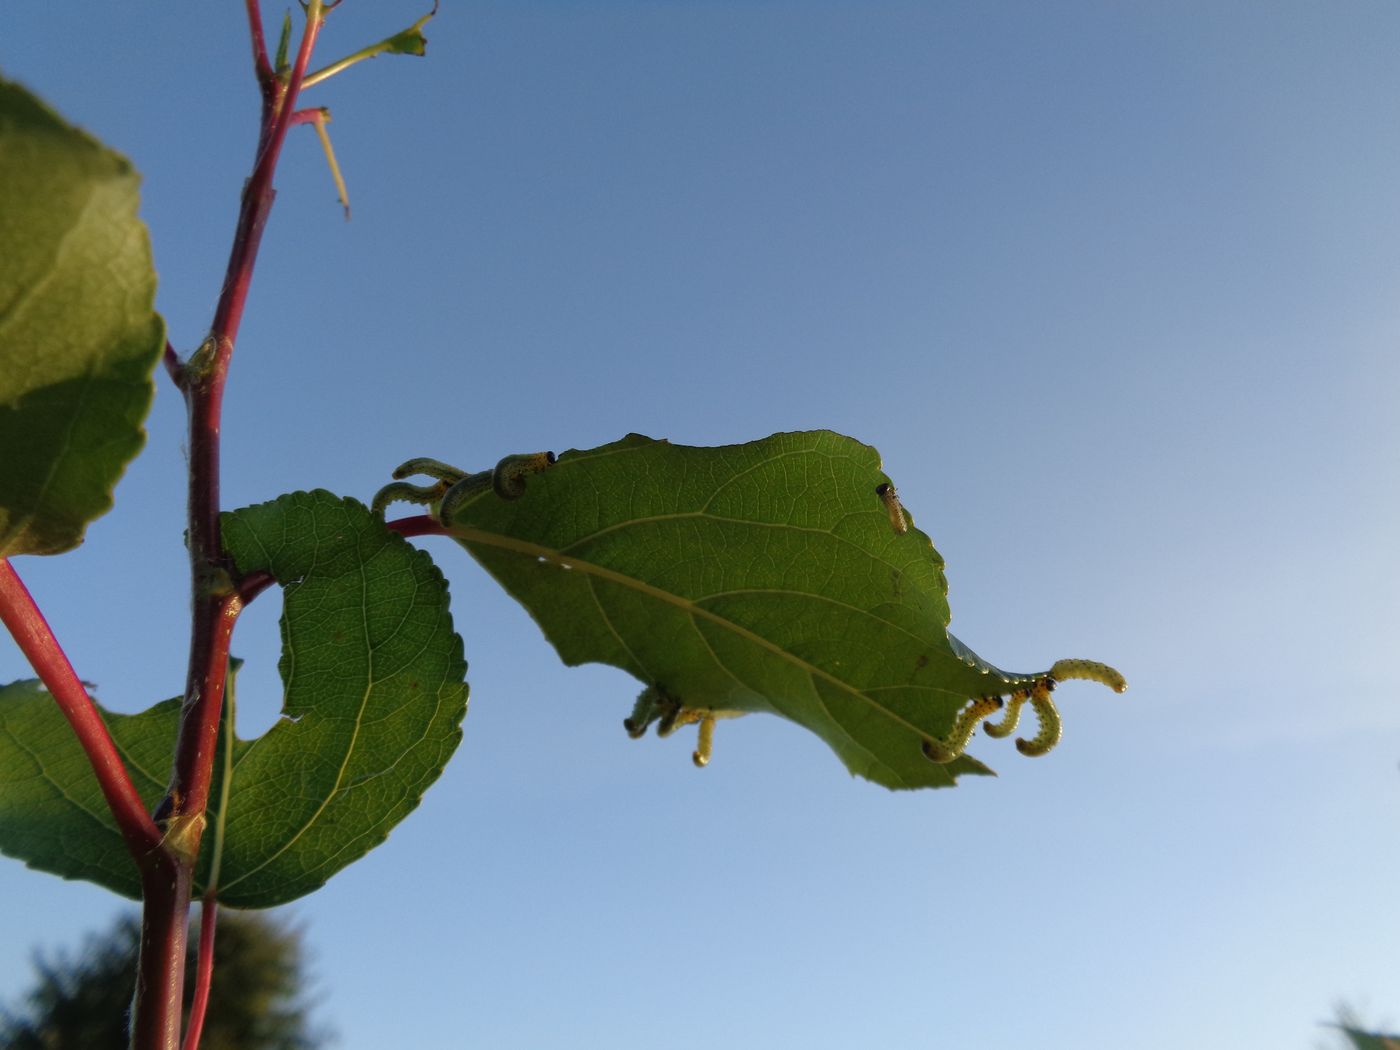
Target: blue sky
1114,288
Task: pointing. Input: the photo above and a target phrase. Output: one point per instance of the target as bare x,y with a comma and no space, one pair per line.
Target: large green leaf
375,695
767,576
79,337
372,712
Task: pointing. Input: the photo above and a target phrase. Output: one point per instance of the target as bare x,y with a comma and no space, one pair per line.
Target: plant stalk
216,604
204,972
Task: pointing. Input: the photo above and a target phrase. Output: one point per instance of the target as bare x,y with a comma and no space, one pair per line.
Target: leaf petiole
410,41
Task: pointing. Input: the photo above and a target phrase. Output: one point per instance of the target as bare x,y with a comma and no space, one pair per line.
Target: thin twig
261,66
41,648
174,366
216,602
388,44
204,971
156,1010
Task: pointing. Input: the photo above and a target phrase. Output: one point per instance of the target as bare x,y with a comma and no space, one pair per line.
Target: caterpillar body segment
655,705
890,498
1012,718
674,715
944,751
1049,717
1092,671
402,491
463,490
652,703
705,743
433,468
453,487
508,477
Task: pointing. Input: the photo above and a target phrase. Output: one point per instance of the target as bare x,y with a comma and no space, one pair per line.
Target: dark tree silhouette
83,1003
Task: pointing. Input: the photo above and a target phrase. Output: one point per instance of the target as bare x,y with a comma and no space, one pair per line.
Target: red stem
261,65
204,971
173,365
216,602
41,648
160,971
307,116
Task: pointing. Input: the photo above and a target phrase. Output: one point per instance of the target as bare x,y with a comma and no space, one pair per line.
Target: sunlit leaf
375,694
372,712
79,337
52,813
769,577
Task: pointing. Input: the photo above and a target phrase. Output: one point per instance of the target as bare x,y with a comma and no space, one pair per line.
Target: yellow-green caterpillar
705,743
1091,670
1049,717
453,487
653,703
944,751
1012,719
1038,695
508,477
656,705
893,507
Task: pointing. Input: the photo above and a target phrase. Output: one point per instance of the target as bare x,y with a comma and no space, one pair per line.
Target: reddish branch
261,66
216,602
172,362
41,648
204,975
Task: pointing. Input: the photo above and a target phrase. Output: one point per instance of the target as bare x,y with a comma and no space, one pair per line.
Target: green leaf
52,813
764,577
375,696
372,712
79,337
410,41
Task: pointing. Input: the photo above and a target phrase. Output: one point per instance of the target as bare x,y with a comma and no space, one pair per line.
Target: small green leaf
766,577
52,813
375,695
280,63
79,337
410,41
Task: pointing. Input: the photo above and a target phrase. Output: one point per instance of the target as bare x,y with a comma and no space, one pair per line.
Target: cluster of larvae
656,705
451,487
1038,694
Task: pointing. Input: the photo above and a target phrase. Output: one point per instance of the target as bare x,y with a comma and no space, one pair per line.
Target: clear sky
1115,289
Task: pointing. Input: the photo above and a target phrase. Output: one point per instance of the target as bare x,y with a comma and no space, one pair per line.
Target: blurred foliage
257,1001
1357,1037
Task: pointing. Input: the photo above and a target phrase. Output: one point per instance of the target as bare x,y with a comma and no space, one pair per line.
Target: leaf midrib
535,551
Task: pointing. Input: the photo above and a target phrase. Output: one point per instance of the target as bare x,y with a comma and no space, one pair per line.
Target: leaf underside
374,700
79,337
763,577
52,813
375,695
